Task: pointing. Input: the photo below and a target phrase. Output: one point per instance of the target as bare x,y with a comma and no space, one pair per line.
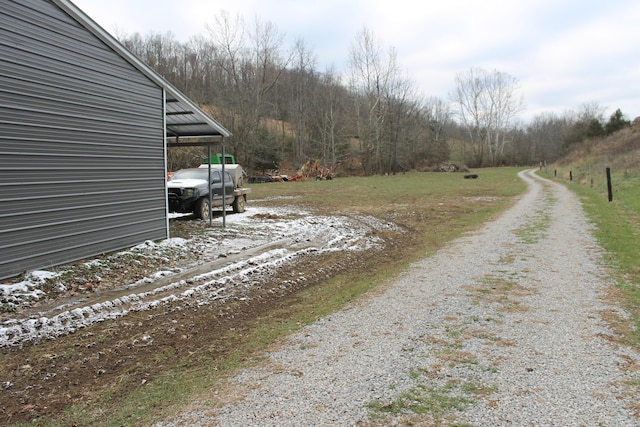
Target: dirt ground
42,377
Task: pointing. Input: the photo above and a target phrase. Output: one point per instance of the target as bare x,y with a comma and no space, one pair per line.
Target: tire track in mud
228,277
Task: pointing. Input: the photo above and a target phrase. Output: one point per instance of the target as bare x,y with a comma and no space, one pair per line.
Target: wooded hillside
284,112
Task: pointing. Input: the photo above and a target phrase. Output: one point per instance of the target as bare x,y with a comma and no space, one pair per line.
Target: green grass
532,232
438,206
431,400
423,400
435,207
432,208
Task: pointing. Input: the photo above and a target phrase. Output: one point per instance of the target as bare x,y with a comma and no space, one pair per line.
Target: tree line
370,119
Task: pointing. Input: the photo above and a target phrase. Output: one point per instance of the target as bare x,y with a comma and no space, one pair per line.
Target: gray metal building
83,128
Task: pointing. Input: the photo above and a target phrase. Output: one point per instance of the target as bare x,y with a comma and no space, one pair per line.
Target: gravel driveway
502,327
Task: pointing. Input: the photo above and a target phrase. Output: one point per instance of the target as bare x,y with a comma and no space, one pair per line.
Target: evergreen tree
616,122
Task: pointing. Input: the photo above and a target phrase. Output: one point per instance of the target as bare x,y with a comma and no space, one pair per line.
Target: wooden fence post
609,189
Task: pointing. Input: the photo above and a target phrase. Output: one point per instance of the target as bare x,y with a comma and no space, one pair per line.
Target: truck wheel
238,204
202,208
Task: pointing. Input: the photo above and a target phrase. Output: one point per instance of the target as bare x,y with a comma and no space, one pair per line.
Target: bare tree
585,123
589,111
251,63
303,78
329,119
401,110
488,103
438,117
227,37
544,134
369,80
269,63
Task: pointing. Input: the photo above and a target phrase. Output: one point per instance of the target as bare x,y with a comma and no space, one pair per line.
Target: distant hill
619,151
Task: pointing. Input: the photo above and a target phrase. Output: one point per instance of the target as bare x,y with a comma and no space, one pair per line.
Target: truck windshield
194,174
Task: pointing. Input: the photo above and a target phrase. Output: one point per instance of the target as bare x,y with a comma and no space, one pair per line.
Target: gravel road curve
503,327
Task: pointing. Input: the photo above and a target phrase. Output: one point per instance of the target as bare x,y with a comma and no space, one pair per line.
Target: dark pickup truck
187,191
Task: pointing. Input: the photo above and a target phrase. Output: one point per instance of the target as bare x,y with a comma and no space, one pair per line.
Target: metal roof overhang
183,118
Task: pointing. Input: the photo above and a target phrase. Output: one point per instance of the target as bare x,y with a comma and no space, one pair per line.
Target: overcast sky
564,53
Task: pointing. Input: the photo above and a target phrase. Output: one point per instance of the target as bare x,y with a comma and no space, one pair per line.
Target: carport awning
186,120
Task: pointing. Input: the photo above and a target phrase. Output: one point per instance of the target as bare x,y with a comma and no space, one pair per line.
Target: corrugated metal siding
81,143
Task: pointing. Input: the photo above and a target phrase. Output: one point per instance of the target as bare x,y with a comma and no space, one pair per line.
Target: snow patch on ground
294,232
27,289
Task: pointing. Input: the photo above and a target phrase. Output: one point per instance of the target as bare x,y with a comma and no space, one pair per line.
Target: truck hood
186,183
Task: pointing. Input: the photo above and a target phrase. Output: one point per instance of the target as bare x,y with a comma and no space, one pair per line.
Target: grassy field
435,208
432,208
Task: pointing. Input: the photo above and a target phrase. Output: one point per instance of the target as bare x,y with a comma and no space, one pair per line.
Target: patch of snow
26,290
292,233
93,263
174,241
